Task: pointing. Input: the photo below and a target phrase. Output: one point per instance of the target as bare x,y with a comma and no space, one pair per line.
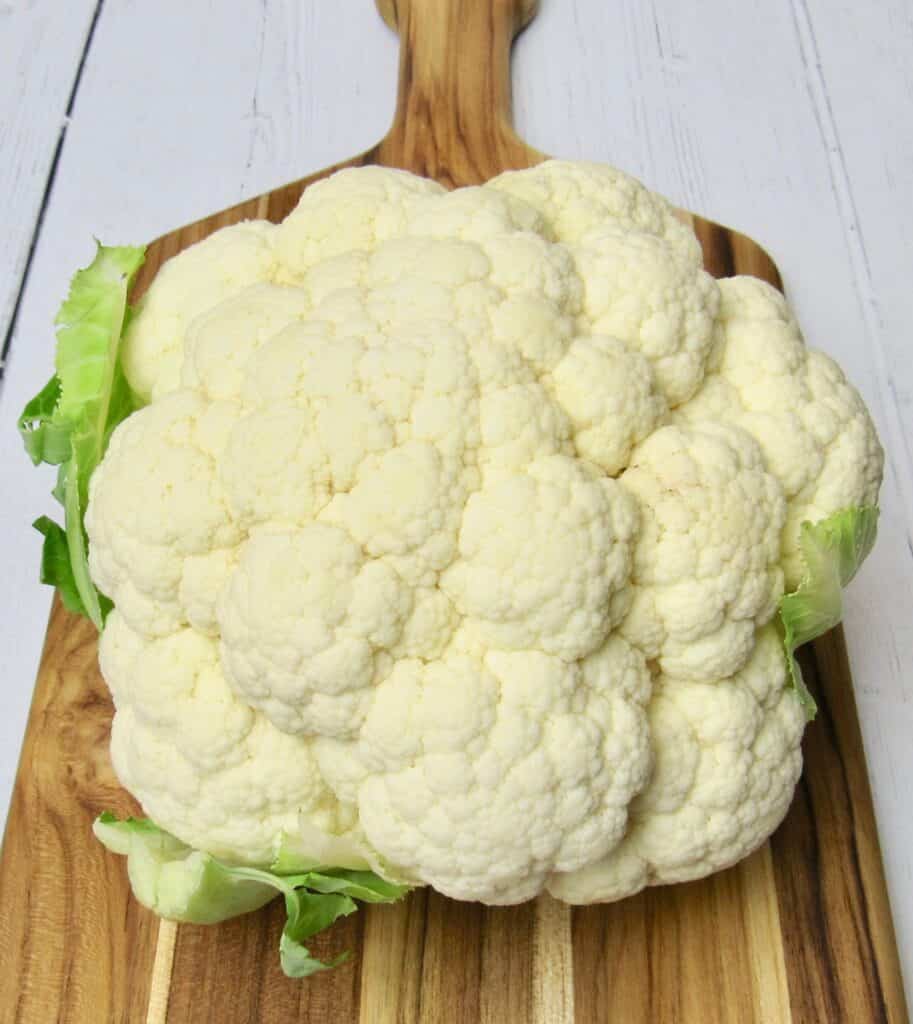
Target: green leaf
55,564
176,881
184,884
90,324
78,546
308,914
360,885
69,422
297,961
121,403
45,439
58,491
115,834
833,550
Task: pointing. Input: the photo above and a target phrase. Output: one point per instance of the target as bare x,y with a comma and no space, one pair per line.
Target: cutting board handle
453,108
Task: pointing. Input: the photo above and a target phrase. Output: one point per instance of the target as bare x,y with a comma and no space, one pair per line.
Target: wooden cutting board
800,933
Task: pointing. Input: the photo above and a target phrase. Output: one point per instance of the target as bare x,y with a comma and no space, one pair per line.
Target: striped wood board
800,933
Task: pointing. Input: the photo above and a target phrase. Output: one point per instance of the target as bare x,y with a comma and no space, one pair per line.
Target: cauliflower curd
450,539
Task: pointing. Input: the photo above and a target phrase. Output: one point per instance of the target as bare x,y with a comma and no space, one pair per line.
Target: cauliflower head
450,536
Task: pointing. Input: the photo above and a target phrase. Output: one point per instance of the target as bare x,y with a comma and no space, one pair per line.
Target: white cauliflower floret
574,197
815,432
471,214
727,758
307,366
706,570
155,500
304,622
481,778
543,295
423,381
191,283
431,624
517,424
205,766
608,392
220,341
274,468
352,209
559,582
202,580
434,491
640,289
406,506
518,291
639,264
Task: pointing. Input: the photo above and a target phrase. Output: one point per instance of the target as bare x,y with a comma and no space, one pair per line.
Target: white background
791,120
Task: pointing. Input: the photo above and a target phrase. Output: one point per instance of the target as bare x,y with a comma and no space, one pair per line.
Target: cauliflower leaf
68,423
45,436
56,567
833,550
182,884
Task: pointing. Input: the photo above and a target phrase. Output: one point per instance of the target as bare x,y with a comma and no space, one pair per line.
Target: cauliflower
448,541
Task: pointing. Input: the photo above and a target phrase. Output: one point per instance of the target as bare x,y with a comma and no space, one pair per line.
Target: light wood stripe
765,938
553,963
390,969
160,987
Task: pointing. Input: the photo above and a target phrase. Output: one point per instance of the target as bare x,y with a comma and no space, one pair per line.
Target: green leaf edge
314,899
53,432
832,549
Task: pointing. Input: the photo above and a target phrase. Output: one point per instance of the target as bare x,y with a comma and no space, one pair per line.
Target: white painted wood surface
791,120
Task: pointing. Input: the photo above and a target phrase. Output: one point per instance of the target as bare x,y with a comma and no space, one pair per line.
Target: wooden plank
739,946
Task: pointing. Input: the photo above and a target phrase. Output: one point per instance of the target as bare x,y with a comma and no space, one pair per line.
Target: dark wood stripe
233,971
716,241
507,964
451,962
727,253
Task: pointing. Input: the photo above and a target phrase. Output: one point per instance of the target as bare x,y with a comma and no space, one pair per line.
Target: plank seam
48,189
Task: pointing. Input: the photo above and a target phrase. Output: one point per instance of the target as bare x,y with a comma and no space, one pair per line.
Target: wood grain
799,932
74,945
